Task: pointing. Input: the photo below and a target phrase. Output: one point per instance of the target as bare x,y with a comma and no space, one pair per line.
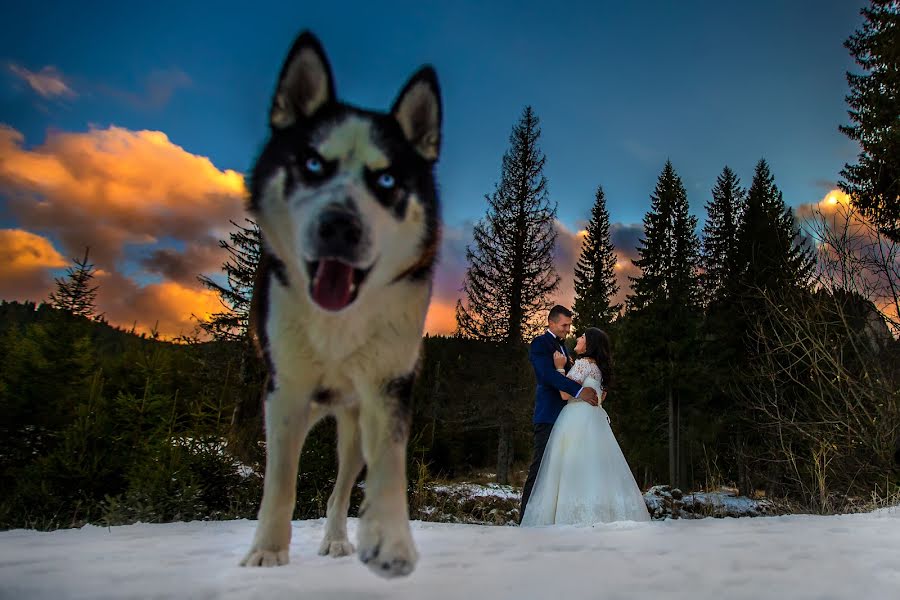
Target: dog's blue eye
314,165
386,181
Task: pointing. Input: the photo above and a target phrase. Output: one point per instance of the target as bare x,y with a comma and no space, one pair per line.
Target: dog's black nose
339,230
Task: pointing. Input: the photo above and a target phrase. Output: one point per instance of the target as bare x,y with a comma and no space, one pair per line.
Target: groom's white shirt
554,337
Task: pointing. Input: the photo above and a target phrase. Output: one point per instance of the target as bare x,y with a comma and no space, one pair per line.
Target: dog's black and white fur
346,202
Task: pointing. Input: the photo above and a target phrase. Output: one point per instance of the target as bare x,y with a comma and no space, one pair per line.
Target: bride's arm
594,371
575,374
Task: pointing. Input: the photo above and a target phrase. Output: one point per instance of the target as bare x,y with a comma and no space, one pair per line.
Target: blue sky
619,87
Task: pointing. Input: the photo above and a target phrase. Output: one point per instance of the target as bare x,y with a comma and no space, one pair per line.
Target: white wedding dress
583,477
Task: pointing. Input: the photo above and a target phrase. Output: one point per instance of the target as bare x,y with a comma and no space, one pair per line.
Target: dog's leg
385,539
350,462
289,418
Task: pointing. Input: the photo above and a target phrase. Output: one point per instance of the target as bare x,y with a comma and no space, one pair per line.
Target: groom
550,382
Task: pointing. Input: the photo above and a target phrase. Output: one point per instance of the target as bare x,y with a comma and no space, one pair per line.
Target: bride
583,477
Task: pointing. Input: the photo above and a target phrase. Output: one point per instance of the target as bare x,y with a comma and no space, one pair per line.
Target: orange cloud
48,82
173,306
835,202
836,197
25,260
834,218
22,250
117,190
851,254
165,307
109,187
441,318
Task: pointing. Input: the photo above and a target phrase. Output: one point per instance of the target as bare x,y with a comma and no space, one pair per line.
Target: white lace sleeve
579,371
582,369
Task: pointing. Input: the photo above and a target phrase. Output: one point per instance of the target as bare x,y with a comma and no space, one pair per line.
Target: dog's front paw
333,546
387,549
265,558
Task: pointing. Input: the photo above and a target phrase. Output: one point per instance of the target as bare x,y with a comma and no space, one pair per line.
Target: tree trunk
504,453
679,457
673,455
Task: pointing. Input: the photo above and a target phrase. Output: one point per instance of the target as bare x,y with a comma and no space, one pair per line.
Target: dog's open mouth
335,284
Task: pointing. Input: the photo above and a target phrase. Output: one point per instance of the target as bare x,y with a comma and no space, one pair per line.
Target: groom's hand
589,395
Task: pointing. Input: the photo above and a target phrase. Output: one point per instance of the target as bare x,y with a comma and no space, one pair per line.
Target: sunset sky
130,128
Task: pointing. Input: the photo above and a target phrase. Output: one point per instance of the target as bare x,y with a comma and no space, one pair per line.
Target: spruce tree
664,307
775,268
232,325
595,273
74,293
873,184
669,251
771,255
720,234
240,269
510,275
723,336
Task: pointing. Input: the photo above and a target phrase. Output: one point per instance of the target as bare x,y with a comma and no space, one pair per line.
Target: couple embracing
578,474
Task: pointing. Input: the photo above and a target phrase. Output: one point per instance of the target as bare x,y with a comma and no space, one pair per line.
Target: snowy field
789,557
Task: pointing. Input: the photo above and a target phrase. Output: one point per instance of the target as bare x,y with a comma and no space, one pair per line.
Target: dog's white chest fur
377,337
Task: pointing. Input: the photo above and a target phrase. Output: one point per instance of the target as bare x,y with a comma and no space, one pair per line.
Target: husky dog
347,206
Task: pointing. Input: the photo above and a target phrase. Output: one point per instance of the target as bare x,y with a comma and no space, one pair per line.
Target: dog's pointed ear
304,85
418,110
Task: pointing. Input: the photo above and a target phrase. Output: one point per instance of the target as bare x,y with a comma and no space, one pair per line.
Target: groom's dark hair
558,310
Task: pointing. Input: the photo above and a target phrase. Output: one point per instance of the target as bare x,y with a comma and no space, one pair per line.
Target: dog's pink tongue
333,284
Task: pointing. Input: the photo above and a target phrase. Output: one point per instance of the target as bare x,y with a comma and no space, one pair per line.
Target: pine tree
510,275
775,269
723,336
240,269
595,273
232,325
873,184
74,293
720,235
771,254
669,255
664,306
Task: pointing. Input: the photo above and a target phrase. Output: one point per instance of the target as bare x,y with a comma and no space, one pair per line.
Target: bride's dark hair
598,347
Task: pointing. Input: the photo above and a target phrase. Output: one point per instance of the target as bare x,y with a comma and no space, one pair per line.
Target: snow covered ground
787,557
480,490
